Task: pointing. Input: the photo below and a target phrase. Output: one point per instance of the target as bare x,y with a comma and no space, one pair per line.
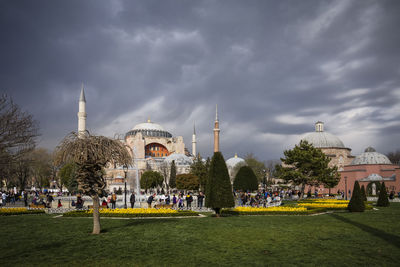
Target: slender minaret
194,141
82,114
216,130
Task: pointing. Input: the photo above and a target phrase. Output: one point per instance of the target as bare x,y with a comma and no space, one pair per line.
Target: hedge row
22,212
79,213
307,212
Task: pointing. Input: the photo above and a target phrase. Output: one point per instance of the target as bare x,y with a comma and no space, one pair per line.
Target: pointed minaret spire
82,113
216,130
194,141
82,97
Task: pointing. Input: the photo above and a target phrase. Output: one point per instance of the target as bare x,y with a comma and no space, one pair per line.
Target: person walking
132,200
113,200
200,199
189,200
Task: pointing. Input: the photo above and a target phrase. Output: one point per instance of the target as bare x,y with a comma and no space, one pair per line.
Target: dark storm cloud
273,67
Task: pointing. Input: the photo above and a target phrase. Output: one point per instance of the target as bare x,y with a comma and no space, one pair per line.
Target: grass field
340,239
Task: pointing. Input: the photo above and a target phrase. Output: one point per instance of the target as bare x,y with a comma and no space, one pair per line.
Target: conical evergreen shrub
383,200
363,194
356,203
219,189
245,179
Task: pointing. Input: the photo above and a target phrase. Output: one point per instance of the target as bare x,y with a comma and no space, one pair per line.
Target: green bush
245,180
363,194
383,200
356,203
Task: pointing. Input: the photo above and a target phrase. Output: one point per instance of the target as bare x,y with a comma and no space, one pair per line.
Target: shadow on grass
129,223
390,238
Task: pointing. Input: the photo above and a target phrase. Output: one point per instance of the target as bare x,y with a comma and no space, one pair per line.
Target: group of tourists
177,200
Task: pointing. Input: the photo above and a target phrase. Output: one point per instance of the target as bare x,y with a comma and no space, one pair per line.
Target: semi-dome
370,156
180,159
322,139
232,162
149,129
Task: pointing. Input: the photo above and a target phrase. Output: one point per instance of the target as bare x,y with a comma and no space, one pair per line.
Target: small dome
321,139
149,129
370,149
232,162
180,159
370,156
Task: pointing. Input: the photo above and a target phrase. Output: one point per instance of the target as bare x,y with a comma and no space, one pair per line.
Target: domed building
232,163
331,145
368,168
152,148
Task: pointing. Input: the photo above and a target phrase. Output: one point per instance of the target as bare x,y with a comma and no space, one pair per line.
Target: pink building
368,168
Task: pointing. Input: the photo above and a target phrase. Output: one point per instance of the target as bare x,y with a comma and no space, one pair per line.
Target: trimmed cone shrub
383,200
363,195
245,180
356,203
219,189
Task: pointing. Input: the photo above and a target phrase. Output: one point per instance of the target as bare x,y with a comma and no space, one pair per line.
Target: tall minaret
216,130
194,141
82,114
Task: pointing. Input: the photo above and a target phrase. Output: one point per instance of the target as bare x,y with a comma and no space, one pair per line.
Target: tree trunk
96,215
303,186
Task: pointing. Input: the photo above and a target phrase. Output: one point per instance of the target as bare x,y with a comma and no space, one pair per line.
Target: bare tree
18,131
91,154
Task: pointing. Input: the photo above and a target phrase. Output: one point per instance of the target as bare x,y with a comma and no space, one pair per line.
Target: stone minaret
216,131
194,141
82,113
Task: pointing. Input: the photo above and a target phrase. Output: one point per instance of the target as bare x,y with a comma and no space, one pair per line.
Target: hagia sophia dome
321,139
232,162
370,156
149,129
180,159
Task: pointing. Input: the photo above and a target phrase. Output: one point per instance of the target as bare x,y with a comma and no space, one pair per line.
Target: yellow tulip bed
19,211
140,212
324,205
287,210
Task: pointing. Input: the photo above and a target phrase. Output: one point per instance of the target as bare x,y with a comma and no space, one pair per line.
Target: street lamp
264,171
345,185
126,172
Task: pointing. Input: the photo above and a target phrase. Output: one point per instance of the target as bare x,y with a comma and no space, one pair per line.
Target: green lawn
341,239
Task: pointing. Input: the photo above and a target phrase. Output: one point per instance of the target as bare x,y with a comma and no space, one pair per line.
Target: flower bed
331,206
285,210
19,211
132,213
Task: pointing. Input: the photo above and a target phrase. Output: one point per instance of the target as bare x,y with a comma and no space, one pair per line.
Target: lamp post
126,172
265,187
345,185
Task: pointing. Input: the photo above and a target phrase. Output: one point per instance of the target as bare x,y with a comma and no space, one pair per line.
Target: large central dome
321,139
149,129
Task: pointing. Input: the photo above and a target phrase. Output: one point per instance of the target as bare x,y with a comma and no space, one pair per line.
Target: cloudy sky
273,67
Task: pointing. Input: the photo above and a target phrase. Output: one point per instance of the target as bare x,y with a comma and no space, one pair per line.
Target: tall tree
18,132
41,166
67,177
199,169
356,203
172,175
394,156
383,200
219,189
245,180
257,166
305,165
187,181
91,154
151,179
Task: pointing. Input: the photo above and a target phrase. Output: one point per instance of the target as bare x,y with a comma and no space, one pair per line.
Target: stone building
331,145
